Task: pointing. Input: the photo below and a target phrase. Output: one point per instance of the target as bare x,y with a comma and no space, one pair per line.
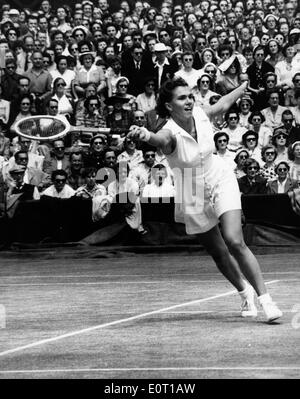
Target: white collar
166,62
92,69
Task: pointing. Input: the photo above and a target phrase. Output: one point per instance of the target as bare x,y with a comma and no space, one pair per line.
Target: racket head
42,127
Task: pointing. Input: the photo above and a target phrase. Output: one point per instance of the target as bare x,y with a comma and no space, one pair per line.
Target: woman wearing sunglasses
65,106
283,182
280,142
268,155
252,182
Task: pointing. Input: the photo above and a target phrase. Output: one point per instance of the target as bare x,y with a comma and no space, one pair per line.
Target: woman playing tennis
206,189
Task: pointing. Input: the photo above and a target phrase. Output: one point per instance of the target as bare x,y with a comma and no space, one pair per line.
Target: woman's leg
233,237
216,247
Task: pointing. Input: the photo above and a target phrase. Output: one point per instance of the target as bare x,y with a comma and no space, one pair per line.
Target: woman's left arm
227,101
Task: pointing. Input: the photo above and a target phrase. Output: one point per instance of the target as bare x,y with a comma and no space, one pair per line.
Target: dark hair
224,47
88,99
86,172
16,155
256,113
166,95
282,162
249,162
268,147
249,133
232,110
257,48
285,47
200,78
58,172
218,135
291,148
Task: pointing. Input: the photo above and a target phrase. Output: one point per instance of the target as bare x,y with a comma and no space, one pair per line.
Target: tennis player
206,189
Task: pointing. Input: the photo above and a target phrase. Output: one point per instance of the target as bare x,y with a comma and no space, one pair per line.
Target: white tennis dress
206,187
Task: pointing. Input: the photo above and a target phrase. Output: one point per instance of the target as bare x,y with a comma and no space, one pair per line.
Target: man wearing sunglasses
283,183
252,183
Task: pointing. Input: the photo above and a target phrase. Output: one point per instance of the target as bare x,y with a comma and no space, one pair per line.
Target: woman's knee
235,243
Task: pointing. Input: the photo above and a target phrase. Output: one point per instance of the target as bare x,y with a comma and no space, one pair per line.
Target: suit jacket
259,187
50,164
135,76
153,121
252,73
290,184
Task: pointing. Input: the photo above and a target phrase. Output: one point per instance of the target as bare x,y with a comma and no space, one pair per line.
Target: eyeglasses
123,86
233,118
271,81
60,181
282,170
150,156
287,120
98,143
297,80
251,139
281,136
25,104
270,153
252,168
53,106
10,67
59,148
188,59
205,82
243,156
150,85
60,84
93,105
222,141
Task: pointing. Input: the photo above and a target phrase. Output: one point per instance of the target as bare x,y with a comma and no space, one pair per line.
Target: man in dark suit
135,69
287,119
252,183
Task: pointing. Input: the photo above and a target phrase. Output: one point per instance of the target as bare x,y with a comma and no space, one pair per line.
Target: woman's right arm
163,139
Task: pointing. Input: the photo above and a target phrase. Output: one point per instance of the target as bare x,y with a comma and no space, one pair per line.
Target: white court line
129,275
116,322
271,368
114,282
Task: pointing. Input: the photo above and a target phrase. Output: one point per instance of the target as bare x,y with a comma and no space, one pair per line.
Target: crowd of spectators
99,68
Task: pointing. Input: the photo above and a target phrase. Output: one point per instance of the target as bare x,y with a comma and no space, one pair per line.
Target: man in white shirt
273,113
159,187
59,188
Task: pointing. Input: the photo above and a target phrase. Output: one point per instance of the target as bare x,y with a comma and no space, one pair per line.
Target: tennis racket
48,128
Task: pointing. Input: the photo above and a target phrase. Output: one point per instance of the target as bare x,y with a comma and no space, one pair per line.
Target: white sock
265,298
244,293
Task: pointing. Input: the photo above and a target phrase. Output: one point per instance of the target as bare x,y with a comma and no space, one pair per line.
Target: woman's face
296,152
233,120
251,142
207,57
149,87
204,84
58,49
270,155
273,47
87,61
182,102
284,29
122,87
256,121
290,52
279,39
271,23
231,70
210,70
214,43
242,158
60,86
252,170
109,52
25,105
281,140
191,19
222,143
62,66
245,107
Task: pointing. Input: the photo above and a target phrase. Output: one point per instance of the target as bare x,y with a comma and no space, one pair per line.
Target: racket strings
42,127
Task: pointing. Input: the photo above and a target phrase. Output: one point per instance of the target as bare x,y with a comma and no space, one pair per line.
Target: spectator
187,72
221,140
88,187
130,154
252,182
250,142
296,110
279,140
283,183
65,106
118,117
229,81
142,173
160,187
9,80
258,68
74,169
94,157
146,101
163,68
88,73
122,85
245,104
40,81
268,155
113,73
273,113
64,73
93,115
240,159
294,156
274,53
59,187
234,131
203,91
285,69
4,107
106,174
23,111
287,119
57,158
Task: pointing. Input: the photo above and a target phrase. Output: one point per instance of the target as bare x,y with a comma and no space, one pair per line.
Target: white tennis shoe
270,309
248,308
